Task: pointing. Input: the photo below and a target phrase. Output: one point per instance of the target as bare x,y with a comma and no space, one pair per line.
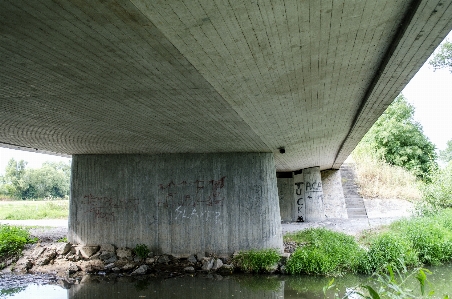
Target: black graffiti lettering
299,209
308,185
298,201
199,185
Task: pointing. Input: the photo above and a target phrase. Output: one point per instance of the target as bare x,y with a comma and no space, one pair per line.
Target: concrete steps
353,201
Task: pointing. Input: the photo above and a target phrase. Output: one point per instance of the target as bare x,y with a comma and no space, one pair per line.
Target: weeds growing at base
257,260
323,252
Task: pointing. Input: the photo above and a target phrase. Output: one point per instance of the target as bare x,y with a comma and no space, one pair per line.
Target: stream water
202,286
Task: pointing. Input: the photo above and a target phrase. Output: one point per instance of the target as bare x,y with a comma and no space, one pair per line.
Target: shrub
257,260
141,251
437,195
12,241
325,252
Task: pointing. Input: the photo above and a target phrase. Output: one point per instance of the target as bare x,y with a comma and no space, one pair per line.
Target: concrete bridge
180,114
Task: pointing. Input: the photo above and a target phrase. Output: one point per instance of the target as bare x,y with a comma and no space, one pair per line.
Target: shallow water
203,286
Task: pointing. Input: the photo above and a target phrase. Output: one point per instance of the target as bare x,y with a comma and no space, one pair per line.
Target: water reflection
214,286
210,286
35,292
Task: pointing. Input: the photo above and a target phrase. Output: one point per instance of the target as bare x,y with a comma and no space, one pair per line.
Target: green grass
323,252
24,210
406,243
430,237
257,260
387,249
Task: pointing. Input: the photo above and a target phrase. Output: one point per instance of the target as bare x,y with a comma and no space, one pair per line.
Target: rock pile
66,259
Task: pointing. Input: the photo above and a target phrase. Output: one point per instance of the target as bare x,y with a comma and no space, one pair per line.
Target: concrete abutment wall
176,203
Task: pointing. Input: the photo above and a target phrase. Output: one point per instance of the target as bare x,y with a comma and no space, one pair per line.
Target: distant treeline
49,181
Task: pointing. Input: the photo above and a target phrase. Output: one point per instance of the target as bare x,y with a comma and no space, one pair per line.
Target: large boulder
124,253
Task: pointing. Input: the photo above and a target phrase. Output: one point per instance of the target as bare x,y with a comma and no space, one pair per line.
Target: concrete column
333,194
286,202
300,203
315,210
176,203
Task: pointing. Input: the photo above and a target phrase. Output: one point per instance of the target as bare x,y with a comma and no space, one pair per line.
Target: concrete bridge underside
158,81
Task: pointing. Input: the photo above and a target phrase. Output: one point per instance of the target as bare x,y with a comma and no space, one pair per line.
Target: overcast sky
429,91
431,94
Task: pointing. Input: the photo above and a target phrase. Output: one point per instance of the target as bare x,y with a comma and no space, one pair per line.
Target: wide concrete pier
177,204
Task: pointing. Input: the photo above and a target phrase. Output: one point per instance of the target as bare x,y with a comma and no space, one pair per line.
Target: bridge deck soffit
199,76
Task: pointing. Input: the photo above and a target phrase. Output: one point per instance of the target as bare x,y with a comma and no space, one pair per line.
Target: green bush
437,195
387,249
141,251
257,260
12,241
324,252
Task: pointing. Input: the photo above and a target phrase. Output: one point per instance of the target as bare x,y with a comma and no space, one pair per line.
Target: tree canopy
443,57
399,140
51,180
446,155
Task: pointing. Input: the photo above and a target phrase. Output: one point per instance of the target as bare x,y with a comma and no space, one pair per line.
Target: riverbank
71,261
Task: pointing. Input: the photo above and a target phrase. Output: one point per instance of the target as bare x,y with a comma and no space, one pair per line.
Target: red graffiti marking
103,207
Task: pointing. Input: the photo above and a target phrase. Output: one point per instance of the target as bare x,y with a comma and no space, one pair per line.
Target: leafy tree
13,181
446,155
443,58
51,180
399,140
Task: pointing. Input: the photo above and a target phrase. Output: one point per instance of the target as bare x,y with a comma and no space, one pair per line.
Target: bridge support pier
176,204
311,195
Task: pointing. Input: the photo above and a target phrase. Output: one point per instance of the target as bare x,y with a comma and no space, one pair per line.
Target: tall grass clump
12,241
430,237
378,179
323,252
257,261
386,249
